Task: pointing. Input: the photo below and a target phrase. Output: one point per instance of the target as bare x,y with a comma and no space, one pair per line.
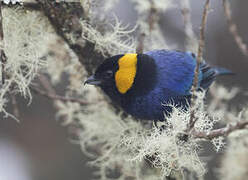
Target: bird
142,84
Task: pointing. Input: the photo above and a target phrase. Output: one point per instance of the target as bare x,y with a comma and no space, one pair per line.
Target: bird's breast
174,76
149,106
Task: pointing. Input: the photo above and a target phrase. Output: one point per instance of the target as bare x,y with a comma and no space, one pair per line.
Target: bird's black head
125,75
104,76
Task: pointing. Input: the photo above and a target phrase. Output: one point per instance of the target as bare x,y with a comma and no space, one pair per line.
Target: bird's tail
209,74
222,71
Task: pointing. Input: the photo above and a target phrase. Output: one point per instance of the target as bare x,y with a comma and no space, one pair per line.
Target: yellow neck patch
124,77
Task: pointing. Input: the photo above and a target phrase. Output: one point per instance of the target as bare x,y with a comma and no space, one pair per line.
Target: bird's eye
108,74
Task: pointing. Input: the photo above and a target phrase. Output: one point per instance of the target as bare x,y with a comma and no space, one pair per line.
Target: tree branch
233,28
191,40
220,132
198,62
16,111
51,93
65,17
140,46
152,18
3,57
57,97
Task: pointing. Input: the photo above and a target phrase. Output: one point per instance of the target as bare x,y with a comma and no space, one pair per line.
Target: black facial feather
146,76
108,83
145,79
108,64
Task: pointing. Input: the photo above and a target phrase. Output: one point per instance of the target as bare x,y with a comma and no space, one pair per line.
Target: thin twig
57,97
233,28
220,132
51,93
191,41
152,19
198,62
140,46
46,84
16,111
153,16
3,57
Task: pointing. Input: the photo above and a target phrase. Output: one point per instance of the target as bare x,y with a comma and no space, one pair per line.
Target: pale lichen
25,41
116,40
171,149
127,144
235,161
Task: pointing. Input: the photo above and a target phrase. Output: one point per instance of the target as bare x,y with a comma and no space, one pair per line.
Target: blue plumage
162,77
175,73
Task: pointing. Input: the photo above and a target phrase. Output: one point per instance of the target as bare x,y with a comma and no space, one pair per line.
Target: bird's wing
175,70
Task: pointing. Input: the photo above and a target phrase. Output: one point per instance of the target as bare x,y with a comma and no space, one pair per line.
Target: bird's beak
93,81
